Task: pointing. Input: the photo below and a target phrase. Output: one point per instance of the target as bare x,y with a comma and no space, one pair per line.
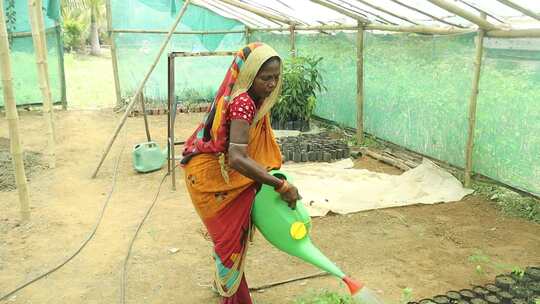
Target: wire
124,267
86,241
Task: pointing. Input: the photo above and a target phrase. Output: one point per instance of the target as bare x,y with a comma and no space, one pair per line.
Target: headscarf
211,136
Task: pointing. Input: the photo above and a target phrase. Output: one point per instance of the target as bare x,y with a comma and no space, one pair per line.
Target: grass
89,81
325,297
510,202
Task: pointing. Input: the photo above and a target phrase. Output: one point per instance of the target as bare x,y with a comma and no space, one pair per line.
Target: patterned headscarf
211,136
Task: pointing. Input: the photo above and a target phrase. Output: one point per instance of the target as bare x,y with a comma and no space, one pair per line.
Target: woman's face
266,80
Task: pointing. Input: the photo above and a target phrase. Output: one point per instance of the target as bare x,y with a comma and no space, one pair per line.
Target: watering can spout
354,287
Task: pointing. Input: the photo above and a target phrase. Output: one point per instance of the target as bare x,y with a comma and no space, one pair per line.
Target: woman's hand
291,196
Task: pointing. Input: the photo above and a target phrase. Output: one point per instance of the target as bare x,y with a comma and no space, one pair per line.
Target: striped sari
222,196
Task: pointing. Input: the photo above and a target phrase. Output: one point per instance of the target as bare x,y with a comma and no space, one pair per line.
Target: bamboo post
247,34
360,84
293,40
141,87
117,88
472,105
13,119
63,98
145,117
40,48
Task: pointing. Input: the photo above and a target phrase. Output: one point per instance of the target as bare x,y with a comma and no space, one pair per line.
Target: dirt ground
426,248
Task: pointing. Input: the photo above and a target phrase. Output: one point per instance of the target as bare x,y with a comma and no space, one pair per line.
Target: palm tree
91,9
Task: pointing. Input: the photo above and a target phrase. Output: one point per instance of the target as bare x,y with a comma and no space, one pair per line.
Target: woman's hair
269,60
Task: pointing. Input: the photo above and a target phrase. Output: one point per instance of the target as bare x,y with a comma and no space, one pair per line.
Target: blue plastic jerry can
147,157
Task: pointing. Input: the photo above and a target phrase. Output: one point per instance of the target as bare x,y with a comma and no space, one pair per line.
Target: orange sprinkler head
354,286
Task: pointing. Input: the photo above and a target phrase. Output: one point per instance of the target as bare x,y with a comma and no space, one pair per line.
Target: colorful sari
222,196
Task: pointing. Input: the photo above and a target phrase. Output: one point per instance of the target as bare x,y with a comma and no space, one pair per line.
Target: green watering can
288,230
148,157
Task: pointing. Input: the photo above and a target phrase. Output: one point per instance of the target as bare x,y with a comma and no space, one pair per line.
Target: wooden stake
13,119
140,88
472,106
117,88
40,48
293,41
360,84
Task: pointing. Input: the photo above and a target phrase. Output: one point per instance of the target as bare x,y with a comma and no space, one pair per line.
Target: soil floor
425,248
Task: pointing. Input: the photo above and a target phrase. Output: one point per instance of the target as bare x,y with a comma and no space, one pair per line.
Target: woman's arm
241,162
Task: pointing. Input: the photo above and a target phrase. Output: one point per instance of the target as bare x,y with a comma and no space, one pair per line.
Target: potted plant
302,80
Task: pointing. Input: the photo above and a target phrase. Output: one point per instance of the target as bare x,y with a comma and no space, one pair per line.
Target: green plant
510,202
406,295
302,80
326,297
484,263
91,16
73,34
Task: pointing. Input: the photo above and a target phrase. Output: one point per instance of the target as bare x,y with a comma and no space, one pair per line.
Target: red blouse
242,108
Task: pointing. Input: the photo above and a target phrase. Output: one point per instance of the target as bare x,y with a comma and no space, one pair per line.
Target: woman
228,158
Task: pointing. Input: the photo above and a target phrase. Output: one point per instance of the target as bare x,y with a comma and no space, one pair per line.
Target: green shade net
507,137
197,78
417,87
23,58
417,90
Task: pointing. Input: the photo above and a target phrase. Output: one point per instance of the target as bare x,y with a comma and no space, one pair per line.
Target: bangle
284,187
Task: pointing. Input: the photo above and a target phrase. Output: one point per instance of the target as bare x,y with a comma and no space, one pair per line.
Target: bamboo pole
381,9
257,11
521,33
426,14
202,54
362,12
140,31
360,84
145,117
481,10
418,29
376,27
13,119
141,87
520,9
110,31
29,34
40,48
472,106
293,41
247,34
452,8
61,70
342,11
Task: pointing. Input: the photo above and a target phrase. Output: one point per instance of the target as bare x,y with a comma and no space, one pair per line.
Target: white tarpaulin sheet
340,188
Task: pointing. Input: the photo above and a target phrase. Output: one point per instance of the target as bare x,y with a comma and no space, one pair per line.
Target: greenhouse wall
23,58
